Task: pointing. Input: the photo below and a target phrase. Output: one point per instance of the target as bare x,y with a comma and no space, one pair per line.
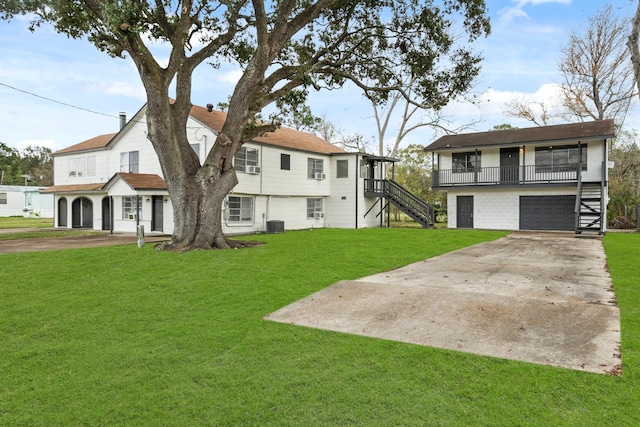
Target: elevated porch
506,176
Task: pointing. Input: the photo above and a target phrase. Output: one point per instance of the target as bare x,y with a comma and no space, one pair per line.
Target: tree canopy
280,45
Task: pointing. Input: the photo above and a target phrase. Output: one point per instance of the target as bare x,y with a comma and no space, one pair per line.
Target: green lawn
128,336
20,222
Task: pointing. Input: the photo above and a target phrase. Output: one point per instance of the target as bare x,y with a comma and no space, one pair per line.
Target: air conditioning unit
254,170
320,176
132,216
318,215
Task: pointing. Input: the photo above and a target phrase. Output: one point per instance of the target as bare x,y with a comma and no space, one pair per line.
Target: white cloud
508,14
229,76
125,89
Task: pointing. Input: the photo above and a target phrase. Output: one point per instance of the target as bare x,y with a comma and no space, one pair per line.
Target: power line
58,102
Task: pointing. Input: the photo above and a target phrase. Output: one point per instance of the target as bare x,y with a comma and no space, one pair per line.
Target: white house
542,178
19,200
287,180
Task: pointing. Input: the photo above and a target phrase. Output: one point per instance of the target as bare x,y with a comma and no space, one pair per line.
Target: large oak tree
281,45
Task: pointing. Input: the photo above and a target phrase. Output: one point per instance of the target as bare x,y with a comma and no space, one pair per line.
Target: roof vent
209,107
123,120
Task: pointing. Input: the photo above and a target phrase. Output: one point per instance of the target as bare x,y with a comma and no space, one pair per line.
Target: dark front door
509,161
157,215
106,214
62,212
465,211
82,213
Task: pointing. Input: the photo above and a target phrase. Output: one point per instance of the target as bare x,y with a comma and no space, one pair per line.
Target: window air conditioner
320,176
318,215
254,170
132,216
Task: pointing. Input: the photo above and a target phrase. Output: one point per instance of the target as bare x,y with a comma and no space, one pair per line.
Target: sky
56,92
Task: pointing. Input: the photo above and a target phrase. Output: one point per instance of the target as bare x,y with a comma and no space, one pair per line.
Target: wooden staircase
409,203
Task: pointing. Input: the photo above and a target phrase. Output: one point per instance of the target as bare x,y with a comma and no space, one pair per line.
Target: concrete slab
537,297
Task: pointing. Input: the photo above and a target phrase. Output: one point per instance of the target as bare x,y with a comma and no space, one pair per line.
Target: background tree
624,179
280,46
413,172
33,161
597,75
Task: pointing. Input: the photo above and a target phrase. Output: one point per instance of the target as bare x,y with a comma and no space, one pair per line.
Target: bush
622,223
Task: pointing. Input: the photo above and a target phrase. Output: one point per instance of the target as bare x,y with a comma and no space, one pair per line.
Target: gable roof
138,181
281,137
599,129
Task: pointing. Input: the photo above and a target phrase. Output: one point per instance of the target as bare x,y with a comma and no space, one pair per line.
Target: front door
509,159
465,211
157,214
106,213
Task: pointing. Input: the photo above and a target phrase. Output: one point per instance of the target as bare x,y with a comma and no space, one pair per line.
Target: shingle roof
576,131
74,188
99,141
142,181
282,137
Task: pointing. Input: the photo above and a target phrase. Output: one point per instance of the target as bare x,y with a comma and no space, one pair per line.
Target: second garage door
547,212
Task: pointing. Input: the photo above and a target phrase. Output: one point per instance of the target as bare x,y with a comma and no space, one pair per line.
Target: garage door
547,212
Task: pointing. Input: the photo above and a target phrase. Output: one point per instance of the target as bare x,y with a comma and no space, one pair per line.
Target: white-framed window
3,198
315,207
129,206
82,166
315,168
245,159
129,161
240,209
342,169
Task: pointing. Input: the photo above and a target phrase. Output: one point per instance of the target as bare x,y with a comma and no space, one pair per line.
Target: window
466,162
129,205
240,209
314,206
560,159
245,157
82,166
3,198
342,167
315,168
285,162
129,161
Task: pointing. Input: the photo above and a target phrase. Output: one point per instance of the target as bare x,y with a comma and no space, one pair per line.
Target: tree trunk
197,192
632,44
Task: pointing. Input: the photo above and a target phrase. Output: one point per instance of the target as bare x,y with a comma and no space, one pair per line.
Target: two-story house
542,178
287,180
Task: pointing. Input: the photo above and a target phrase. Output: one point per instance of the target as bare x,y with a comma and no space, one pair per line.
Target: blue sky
520,60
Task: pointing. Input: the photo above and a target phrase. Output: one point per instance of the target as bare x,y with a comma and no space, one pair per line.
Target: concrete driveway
544,298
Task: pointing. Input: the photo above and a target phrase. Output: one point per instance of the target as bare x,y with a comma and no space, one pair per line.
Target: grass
42,228
21,222
128,336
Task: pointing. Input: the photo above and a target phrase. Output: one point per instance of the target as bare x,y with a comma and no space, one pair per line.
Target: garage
547,212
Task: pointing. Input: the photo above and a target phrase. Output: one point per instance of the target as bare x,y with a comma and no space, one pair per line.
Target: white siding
498,209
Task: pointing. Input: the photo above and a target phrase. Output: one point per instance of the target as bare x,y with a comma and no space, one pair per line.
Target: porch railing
506,175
